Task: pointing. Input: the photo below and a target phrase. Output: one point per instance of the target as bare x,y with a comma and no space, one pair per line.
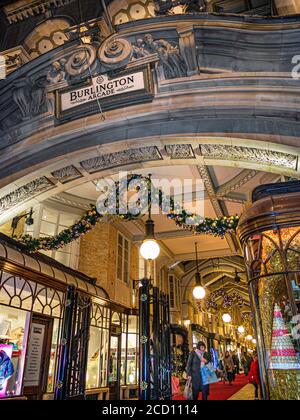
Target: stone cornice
24,9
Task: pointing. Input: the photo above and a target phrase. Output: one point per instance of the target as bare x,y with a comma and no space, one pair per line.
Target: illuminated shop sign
126,89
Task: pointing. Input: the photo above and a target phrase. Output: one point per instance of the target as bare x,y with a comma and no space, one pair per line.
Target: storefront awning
11,251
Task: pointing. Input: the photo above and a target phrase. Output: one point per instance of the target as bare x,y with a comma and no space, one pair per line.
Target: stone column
187,45
287,7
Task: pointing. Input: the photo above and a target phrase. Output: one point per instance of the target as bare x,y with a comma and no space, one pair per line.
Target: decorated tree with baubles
284,366
283,353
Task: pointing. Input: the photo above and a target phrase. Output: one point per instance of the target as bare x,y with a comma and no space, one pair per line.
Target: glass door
114,367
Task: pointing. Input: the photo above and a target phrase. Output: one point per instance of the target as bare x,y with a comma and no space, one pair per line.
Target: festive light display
228,299
283,354
216,227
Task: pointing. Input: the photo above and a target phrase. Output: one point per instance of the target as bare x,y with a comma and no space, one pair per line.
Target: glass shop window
172,291
14,327
53,356
129,351
97,358
50,222
123,259
132,351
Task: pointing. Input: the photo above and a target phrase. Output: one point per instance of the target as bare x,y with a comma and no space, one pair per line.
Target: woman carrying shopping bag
229,367
198,359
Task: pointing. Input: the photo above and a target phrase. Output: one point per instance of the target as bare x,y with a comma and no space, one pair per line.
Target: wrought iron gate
72,366
155,345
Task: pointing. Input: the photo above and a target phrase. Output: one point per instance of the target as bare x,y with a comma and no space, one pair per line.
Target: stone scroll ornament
115,53
216,227
73,65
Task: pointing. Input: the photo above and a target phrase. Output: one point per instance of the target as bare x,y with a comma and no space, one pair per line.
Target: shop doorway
114,367
38,357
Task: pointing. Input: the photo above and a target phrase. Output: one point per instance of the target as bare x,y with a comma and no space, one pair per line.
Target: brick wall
98,254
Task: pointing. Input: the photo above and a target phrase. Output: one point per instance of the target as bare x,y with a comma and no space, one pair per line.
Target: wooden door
38,357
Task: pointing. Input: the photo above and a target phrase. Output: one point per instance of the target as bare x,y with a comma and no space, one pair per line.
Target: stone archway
56,176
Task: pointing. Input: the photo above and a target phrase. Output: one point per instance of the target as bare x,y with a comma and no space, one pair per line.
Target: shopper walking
229,367
236,362
253,375
197,359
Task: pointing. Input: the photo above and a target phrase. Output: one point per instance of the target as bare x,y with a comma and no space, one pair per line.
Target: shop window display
273,259
132,351
53,356
98,348
14,326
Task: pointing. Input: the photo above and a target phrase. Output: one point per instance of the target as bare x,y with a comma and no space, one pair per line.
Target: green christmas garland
216,227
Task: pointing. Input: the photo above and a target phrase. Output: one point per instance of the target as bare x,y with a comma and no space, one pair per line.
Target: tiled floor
245,394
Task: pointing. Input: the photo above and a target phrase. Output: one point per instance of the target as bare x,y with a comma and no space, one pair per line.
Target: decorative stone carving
81,60
267,157
24,193
187,45
115,53
67,174
171,64
180,151
126,157
15,58
24,9
57,72
72,65
30,97
171,7
237,182
92,31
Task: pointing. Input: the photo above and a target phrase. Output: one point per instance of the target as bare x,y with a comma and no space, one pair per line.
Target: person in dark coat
198,358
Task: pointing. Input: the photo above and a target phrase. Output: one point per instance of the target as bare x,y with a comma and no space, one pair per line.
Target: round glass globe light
254,341
199,292
249,337
227,318
150,249
241,329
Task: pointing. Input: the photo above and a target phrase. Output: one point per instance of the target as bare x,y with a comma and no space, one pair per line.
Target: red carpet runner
221,392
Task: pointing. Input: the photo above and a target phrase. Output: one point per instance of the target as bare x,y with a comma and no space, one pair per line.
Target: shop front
270,234
34,310
200,334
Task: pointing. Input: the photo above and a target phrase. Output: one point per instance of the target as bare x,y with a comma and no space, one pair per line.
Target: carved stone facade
24,9
22,194
67,174
126,157
270,157
30,97
171,62
180,151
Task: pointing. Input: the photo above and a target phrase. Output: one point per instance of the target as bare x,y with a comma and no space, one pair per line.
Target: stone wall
98,255
287,7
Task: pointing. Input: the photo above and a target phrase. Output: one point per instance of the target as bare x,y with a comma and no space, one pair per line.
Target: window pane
123,358
93,369
48,229
50,215
53,356
132,359
66,220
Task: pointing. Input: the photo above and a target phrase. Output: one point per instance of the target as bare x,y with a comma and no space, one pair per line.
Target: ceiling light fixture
150,248
199,292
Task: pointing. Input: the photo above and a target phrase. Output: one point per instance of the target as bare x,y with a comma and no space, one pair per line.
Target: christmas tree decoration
283,354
